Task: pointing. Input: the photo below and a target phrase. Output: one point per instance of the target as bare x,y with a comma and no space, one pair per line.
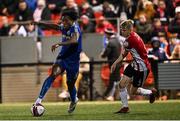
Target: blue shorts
71,67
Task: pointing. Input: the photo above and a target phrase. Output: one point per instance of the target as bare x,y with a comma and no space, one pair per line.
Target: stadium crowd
156,21
153,18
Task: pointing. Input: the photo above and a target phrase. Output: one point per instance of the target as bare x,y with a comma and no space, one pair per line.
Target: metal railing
159,83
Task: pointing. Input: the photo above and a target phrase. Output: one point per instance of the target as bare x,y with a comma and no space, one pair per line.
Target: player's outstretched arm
48,24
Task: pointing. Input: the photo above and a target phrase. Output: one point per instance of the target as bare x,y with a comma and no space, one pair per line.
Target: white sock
144,92
113,90
39,100
123,95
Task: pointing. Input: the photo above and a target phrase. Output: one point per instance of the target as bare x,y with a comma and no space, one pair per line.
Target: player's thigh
126,79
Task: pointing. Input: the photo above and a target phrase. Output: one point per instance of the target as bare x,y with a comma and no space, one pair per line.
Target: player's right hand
54,47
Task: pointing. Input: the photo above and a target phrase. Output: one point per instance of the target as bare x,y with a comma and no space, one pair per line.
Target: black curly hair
71,14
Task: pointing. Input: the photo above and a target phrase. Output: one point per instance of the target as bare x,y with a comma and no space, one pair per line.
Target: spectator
143,28
164,42
87,10
95,2
23,14
176,53
31,4
86,16
174,26
4,30
127,7
102,24
41,13
162,12
173,41
8,7
149,10
71,5
140,9
113,2
171,4
86,24
112,52
145,7
55,6
33,31
158,29
156,52
109,12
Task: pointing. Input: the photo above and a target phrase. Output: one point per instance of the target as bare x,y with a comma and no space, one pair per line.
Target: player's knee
53,74
71,82
55,71
70,85
122,85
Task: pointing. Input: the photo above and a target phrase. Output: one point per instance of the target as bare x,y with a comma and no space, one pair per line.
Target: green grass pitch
96,110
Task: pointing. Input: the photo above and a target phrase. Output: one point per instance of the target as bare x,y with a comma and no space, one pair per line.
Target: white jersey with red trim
135,45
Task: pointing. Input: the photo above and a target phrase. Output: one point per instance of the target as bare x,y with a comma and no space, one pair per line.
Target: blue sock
46,85
73,94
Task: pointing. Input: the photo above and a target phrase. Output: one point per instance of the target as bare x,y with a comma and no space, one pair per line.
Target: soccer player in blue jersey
68,58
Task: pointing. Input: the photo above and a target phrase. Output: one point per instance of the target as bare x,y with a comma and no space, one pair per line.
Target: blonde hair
127,24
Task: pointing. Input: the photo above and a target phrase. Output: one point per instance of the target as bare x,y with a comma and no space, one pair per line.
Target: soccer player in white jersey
137,71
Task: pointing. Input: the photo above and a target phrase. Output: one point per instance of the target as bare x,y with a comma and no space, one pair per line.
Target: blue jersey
69,55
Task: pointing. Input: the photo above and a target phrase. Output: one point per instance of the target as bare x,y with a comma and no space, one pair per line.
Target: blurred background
25,55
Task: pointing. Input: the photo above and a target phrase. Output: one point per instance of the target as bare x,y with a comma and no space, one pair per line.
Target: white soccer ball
37,110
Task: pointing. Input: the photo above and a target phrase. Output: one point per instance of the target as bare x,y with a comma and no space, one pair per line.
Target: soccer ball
37,110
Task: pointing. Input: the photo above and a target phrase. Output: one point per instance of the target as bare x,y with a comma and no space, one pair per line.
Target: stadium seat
55,17
80,2
10,19
0,22
150,79
54,32
97,15
47,33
